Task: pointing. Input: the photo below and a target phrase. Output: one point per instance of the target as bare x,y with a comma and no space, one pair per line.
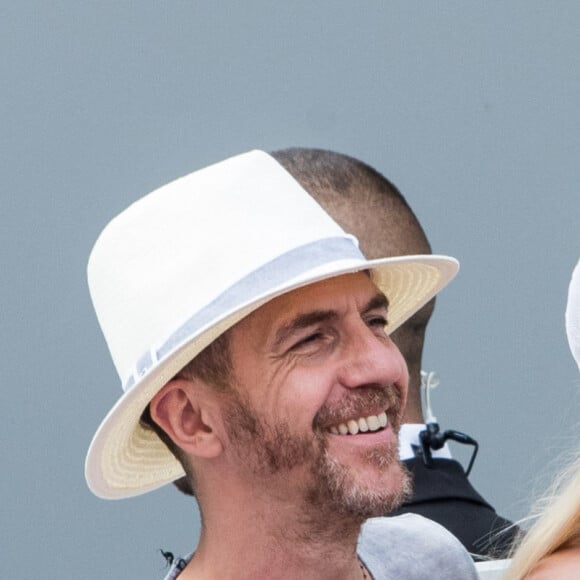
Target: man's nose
368,359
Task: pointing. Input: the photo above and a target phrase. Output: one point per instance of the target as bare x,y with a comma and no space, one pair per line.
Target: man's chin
376,487
383,492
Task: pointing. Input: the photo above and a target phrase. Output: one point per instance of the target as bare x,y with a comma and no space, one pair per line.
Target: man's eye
378,321
307,340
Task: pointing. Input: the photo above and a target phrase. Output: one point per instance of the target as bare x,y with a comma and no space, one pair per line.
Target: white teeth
362,425
383,419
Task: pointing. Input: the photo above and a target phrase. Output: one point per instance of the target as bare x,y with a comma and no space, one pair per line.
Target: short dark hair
362,200
320,169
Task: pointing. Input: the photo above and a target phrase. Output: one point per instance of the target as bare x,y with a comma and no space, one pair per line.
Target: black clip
433,438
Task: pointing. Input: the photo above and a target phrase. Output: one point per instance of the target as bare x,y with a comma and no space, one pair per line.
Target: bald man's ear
184,411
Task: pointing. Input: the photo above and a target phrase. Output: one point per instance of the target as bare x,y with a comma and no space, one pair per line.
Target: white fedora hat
185,263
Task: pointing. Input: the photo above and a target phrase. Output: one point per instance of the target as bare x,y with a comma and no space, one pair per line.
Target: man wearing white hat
251,338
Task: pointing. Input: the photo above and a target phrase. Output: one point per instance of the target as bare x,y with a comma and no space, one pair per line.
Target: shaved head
369,206
360,199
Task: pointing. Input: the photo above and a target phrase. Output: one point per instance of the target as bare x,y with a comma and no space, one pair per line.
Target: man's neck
250,538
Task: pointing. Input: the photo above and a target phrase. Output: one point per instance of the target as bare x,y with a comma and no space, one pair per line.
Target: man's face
315,380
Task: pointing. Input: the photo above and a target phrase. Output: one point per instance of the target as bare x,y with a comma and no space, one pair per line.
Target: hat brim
125,459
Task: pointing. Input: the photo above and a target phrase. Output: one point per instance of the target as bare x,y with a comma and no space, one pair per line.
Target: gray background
470,108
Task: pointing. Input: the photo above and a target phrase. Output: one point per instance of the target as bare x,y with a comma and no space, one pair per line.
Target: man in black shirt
370,207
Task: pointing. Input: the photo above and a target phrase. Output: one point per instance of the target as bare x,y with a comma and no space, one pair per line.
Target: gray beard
334,494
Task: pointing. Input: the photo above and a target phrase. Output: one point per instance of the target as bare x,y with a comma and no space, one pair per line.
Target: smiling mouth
367,424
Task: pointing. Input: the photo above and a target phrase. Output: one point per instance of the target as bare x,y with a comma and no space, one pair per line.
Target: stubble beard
334,492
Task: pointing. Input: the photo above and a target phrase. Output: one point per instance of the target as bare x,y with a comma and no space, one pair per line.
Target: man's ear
183,410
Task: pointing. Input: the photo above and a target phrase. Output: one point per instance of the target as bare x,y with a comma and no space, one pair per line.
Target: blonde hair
557,527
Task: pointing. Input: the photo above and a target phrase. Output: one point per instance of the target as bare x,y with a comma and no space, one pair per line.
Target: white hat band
259,282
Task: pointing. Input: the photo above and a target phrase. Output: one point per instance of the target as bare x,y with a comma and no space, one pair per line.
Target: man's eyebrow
303,321
317,316
378,301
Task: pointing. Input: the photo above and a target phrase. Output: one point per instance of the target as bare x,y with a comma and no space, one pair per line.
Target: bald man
370,207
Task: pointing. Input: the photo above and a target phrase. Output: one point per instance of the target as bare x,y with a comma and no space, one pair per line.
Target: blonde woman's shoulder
562,565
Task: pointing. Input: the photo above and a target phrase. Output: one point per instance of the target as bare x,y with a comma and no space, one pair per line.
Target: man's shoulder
399,529
412,547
